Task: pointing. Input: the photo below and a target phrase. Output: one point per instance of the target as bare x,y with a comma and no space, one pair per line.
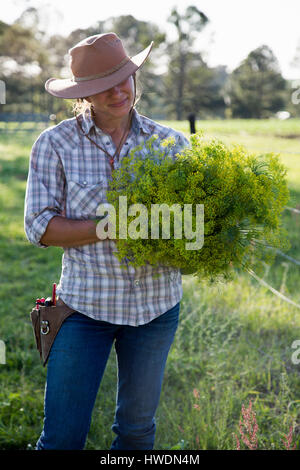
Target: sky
236,26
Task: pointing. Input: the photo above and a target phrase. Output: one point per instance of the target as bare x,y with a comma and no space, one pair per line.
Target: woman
69,173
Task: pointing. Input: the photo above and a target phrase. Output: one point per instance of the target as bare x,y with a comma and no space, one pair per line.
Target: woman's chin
120,112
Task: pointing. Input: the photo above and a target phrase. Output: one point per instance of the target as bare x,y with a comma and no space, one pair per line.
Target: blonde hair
81,105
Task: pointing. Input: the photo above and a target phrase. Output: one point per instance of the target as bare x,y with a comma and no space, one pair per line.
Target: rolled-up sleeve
45,190
182,142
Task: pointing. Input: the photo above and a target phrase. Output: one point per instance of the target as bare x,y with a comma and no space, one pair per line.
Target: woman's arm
69,233
45,202
45,190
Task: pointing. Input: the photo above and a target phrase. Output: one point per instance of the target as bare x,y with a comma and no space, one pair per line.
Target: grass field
233,343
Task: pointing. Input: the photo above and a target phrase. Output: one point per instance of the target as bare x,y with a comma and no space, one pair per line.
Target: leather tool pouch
46,322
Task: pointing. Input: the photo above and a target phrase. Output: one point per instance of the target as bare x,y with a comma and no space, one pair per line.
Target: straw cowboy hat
98,63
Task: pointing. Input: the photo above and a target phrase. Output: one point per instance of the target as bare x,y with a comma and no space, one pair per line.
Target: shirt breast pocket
84,198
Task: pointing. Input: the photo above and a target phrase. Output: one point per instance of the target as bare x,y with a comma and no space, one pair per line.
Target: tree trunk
181,80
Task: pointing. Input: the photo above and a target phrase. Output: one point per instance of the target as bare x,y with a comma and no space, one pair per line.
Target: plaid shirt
69,176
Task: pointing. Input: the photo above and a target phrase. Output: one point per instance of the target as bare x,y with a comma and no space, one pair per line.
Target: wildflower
289,439
248,424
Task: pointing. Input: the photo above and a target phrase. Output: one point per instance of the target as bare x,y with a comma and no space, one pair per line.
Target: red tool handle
54,294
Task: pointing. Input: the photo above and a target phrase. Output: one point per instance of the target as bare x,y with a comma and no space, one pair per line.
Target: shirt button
107,143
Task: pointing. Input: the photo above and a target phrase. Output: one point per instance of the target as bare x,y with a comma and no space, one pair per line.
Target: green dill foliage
243,196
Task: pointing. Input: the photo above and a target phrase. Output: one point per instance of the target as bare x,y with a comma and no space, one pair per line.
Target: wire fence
289,258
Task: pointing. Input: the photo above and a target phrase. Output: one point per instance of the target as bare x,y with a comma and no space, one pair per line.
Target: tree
22,41
202,92
296,59
181,54
256,87
23,59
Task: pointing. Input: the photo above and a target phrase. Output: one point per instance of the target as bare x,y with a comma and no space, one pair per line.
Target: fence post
2,92
2,352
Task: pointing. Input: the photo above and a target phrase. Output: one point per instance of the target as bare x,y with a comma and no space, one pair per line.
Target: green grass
233,342
289,128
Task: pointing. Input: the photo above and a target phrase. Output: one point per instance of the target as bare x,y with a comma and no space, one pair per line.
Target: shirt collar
137,123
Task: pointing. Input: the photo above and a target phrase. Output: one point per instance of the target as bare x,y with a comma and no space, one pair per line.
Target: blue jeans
75,368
